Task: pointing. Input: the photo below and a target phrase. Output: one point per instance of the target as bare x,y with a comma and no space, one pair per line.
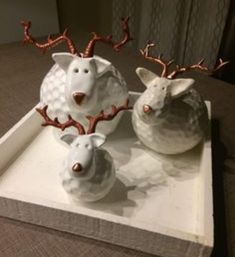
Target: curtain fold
186,30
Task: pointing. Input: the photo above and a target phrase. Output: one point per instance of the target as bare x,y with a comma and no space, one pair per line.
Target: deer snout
78,97
147,109
77,167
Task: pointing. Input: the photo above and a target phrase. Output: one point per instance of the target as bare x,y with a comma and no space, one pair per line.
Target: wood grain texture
26,240
117,234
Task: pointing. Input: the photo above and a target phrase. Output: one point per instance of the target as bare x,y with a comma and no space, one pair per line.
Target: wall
85,16
42,13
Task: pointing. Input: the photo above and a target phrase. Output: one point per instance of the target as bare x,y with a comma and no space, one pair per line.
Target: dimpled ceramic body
169,117
89,172
83,86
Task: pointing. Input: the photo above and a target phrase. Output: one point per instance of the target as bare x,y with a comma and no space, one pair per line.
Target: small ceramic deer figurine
82,84
89,172
170,117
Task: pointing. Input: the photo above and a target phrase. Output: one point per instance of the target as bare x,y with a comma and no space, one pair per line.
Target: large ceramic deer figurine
88,173
82,83
170,117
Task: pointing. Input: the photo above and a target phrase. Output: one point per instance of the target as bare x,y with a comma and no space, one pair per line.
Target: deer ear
63,59
98,139
101,64
68,138
180,87
146,76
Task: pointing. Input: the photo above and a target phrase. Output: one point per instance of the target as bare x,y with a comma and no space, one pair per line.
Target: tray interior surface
152,191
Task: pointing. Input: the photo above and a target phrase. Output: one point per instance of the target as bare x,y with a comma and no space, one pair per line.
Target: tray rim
202,241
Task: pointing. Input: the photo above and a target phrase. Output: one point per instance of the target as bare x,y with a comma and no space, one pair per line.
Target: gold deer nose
147,109
78,97
77,167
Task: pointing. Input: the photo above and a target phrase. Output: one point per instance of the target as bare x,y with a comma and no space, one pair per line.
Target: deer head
154,103
82,150
83,147
82,68
81,79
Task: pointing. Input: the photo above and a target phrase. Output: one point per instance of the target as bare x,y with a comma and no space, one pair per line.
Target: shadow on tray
218,157
132,190
116,200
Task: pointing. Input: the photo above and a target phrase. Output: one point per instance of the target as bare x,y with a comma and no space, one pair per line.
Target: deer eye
88,146
77,145
163,88
86,70
76,70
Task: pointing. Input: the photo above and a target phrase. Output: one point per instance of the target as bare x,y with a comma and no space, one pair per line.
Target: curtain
227,48
185,30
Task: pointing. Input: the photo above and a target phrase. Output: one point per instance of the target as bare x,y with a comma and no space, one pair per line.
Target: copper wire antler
50,42
197,66
166,64
159,60
89,51
93,120
55,123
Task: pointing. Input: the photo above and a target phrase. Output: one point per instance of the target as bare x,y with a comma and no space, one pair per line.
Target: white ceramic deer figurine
170,117
89,172
82,84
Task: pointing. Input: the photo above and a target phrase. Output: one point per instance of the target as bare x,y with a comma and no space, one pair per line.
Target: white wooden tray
159,205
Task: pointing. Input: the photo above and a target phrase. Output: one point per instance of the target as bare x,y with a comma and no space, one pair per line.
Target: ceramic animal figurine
170,117
82,84
89,172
